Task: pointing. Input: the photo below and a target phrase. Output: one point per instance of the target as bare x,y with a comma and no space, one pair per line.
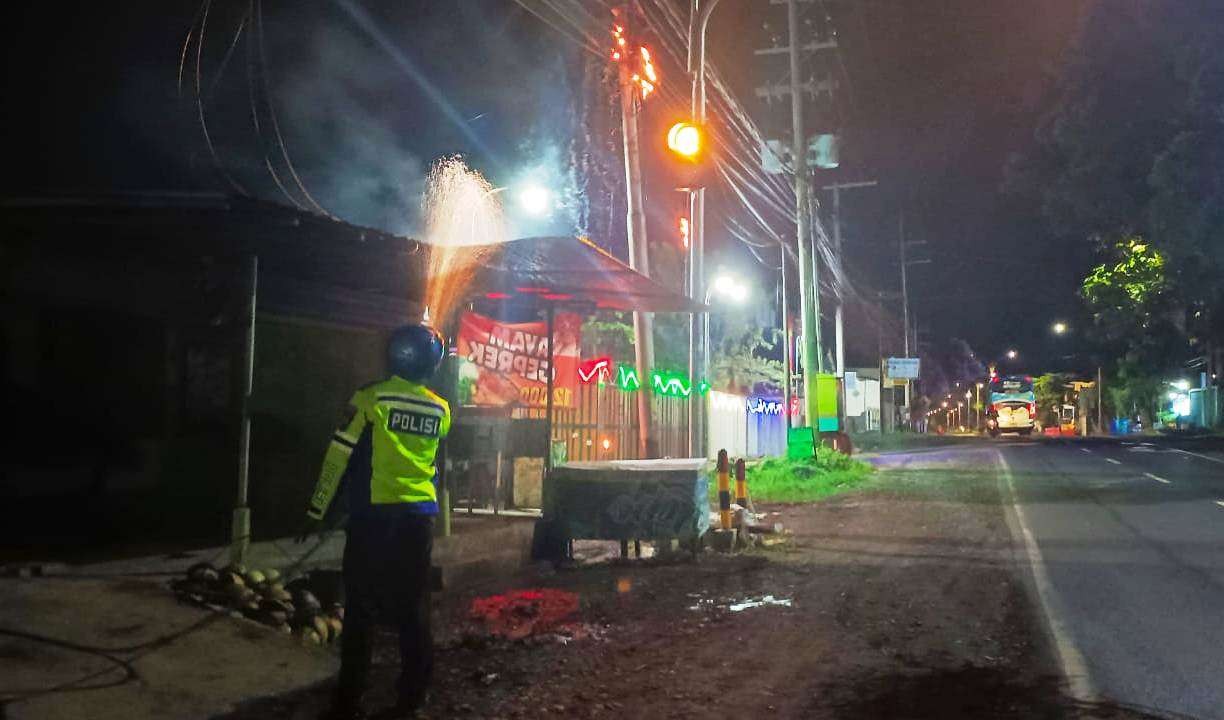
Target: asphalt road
1131,537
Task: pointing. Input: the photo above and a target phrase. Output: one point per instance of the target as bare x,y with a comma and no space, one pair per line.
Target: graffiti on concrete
609,506
657,513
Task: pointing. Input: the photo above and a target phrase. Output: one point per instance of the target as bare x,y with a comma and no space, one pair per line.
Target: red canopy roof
570,270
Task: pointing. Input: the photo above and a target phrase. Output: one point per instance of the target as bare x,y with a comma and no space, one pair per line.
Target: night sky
937,94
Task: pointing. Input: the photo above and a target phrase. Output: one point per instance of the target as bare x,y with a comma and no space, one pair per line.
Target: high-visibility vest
394,433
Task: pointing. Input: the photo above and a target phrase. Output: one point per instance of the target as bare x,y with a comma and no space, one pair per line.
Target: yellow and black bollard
724,491
741,485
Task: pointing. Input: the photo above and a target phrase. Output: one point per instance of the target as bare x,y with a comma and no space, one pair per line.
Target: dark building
124,333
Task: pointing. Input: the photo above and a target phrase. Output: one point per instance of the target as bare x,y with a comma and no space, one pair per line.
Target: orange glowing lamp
685,139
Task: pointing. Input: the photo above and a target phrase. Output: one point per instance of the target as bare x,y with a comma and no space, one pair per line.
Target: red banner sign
511,360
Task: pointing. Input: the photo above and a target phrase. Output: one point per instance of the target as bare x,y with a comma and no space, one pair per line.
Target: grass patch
781,480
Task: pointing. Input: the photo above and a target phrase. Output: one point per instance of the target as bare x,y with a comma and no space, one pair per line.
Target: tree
1051,392
1133,307
744,362
1131,294
608,335
1133,145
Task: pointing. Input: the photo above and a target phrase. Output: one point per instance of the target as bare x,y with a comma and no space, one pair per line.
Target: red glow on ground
498,296
520,613
557,296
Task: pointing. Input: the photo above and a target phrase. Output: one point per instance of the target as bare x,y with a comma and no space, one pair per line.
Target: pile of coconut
260,595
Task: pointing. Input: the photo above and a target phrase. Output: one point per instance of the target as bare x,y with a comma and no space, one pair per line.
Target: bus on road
1013,406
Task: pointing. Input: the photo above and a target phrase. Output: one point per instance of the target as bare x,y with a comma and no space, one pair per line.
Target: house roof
128,249
574,271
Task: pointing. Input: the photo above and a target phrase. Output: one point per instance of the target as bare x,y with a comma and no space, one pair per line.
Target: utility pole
838,333
635,229
905,325
788,364
808,289
904,287
794,76
240,527
699,359
1100,407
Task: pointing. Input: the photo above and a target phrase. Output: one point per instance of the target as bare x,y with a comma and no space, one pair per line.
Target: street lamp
535,200
979,404
1059,328
699,18
737,292
969,401
1011,354
729,287
684,139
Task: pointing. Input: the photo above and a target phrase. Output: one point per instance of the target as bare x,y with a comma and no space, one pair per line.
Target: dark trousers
386,581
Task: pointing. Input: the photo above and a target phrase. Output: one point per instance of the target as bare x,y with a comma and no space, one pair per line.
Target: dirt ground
906,600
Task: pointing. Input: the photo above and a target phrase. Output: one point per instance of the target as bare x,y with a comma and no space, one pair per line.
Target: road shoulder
124,648
902,599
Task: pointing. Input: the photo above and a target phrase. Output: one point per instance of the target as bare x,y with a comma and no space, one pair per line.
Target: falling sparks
463,223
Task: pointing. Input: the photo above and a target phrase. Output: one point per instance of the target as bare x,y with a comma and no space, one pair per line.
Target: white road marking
1085,450
1157,478
1197,455
1111,460
1073,666
1220,503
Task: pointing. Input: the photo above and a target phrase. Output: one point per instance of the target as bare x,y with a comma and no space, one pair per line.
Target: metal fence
602,424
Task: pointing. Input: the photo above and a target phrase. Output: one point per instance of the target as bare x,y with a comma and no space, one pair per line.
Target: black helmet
414,352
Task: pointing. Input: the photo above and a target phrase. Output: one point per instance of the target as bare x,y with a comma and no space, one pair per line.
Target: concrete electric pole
799,85
699,358
635,228
838,331
905,314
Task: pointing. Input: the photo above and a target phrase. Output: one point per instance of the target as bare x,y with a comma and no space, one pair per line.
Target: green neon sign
670,384
627,378
703,387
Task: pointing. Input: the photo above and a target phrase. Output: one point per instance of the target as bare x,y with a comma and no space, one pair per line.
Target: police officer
386,457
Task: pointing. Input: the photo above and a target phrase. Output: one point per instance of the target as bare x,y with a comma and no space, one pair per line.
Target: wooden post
724,492
552,371
741,484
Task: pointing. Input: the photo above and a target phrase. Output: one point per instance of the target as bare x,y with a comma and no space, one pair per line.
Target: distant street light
1011,354
1059,328
734,290
728,287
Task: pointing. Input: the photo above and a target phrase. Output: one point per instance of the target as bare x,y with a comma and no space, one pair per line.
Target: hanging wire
229,52
199,98
280,140
252,76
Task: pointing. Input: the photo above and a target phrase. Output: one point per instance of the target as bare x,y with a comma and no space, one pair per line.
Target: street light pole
699,18
840,365
808,290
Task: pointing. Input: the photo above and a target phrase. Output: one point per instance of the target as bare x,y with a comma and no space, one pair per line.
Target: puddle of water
766,600
739,606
